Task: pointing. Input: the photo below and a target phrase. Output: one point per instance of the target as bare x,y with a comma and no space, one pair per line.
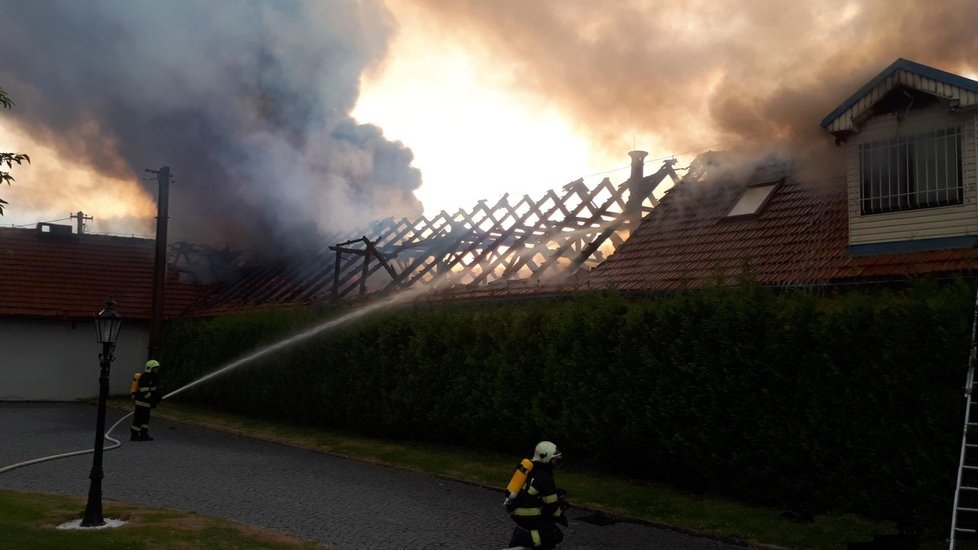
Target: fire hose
108,436
72,453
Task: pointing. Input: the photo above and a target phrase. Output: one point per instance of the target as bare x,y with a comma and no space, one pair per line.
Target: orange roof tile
70,276
800,237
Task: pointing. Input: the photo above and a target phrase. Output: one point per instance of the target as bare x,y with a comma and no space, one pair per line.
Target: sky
282,121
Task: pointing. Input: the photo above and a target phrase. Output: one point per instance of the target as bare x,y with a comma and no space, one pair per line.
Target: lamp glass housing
108,323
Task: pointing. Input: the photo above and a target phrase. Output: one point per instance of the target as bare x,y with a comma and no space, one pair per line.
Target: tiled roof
800,237
69,276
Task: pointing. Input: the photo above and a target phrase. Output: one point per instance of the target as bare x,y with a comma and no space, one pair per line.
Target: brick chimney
636,191
638,165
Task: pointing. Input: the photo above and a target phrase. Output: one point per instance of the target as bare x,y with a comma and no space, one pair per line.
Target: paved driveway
344,503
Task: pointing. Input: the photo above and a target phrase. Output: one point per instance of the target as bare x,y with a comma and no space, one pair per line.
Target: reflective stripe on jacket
148,392
537,500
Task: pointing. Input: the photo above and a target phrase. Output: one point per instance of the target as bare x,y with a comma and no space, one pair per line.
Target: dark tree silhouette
8,159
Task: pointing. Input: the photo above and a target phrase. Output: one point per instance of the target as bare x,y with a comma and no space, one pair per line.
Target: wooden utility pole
159,269
81,217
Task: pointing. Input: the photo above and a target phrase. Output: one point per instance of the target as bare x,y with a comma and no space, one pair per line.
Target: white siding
58,360
844,121
925,223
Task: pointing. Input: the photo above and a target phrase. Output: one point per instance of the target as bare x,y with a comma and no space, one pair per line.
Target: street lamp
108,322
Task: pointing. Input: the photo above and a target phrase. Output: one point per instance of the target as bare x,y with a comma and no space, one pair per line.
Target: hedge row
845,401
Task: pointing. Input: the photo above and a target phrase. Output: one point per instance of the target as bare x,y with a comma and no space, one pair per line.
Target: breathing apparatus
519,478
544,453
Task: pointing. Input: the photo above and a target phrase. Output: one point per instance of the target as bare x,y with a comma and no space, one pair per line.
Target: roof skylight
753,199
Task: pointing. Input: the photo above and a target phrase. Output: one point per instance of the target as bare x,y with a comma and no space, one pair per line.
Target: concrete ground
343,503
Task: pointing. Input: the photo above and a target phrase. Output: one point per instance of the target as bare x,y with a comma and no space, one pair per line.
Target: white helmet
545,451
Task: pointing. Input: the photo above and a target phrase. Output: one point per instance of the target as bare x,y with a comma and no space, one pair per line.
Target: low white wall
44,360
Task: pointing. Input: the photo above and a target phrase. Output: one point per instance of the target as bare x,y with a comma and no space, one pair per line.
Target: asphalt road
343,503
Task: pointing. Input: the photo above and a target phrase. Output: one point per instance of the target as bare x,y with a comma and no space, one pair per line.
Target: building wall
44,360
925,223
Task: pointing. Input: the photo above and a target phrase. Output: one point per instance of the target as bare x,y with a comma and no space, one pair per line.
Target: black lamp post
107,325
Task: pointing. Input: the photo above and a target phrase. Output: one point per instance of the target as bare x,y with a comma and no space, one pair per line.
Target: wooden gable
957,91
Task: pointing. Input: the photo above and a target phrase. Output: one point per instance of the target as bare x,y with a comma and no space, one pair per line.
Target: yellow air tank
519,478
134,386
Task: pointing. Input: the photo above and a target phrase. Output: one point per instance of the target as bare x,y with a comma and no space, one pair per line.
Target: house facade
52,283
905,203
911,155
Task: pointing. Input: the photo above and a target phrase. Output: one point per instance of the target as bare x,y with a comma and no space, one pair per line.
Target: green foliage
847,401
8,159
5,100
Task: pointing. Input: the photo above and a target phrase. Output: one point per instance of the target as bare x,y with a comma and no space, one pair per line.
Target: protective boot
520,540
134,435
144,435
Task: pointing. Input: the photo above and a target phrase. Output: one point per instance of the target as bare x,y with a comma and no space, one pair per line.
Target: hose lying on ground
83,452
73,453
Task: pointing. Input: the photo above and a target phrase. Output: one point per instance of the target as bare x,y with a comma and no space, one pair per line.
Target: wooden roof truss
527,240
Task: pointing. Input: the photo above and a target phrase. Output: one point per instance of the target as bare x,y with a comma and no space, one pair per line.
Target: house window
905,173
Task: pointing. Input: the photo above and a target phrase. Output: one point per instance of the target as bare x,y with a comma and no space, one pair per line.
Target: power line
674,155
657,159
620,168
35,223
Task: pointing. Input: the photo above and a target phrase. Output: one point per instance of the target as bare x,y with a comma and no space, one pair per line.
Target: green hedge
846,400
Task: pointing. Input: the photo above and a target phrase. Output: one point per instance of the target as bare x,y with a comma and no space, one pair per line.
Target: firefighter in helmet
146,393
540,505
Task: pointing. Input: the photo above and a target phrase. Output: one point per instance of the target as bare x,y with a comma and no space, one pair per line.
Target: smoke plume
248,102
753,75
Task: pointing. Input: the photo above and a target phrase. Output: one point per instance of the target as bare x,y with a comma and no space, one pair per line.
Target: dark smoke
248,103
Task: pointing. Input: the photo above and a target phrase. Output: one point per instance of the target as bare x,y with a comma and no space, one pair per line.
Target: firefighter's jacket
539,502
148,392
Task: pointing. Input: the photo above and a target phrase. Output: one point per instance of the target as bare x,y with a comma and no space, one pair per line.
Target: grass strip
30,520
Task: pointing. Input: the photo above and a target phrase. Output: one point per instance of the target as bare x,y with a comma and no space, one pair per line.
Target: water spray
305,335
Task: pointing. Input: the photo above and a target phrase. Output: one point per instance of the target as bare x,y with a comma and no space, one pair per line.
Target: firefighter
145,396
540,505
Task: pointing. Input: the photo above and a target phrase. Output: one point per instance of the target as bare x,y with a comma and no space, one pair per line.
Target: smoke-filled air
764,71
252,103
677,76
248,102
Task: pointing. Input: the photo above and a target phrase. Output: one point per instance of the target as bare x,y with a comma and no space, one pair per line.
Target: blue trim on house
907,65
918,245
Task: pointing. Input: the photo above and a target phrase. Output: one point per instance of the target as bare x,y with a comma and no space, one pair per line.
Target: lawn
30,520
